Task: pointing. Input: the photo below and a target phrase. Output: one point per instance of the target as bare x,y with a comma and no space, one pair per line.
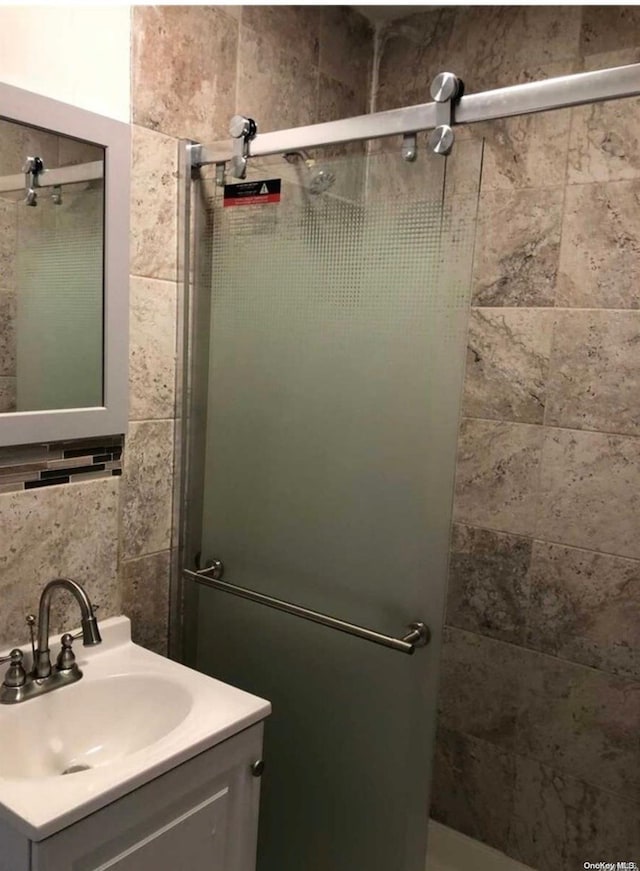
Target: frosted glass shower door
333,377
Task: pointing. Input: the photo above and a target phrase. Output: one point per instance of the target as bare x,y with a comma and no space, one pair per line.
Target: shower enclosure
326,304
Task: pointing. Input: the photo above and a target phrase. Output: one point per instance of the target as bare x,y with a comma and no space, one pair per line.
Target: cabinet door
197,839
201,816
14,849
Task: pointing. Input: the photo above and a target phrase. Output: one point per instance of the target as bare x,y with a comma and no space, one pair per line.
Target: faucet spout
90,631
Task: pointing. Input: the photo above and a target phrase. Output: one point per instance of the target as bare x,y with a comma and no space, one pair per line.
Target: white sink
88,724
133,716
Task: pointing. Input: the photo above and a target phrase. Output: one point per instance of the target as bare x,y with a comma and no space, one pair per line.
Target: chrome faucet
18,686
90,631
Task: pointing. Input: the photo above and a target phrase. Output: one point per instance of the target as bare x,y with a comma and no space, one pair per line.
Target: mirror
51,279
64,219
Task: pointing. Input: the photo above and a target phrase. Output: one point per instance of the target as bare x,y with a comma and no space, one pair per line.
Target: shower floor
451,851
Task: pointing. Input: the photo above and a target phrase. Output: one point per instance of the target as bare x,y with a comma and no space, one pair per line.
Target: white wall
77,54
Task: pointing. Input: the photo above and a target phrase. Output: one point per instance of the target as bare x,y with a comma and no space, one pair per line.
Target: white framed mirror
64,270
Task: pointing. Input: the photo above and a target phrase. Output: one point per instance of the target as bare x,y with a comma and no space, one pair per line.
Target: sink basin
88,724
132,717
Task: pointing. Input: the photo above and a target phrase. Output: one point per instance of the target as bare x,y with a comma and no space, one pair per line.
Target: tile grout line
546,764
558,308
540,540
535,651
133,559
140,277
533,538
554,426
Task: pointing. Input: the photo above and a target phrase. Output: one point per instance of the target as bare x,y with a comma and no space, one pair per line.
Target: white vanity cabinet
201,815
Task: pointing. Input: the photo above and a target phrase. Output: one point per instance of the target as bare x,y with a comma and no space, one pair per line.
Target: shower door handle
417,635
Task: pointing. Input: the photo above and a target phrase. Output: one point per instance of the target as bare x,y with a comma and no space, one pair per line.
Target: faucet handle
16,676
14,657
67,658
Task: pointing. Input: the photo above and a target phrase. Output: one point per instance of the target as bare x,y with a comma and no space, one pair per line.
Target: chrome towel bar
418,634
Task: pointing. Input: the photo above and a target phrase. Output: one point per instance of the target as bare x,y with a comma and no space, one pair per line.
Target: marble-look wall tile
507,361
585,607
608,28
517,248
479,687
147,480
7,331
8,242
189,92
517,151
590,491
498,45
603,145
413,50
600,241
473,784
497,475
235,11
346,48
277,87
337,100
154,191
152,349
7,393
286,26
145,599
560,822
70,530
581,721
488,583
594,380
619,57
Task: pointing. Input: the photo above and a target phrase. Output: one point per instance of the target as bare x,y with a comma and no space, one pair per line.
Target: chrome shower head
319,178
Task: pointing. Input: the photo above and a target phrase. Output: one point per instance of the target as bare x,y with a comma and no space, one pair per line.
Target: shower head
319,178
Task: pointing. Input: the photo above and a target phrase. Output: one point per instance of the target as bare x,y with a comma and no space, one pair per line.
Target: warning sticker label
252,193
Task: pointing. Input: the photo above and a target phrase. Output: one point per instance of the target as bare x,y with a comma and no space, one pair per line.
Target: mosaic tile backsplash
26,467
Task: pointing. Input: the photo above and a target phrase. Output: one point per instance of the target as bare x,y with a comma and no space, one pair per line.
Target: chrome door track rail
417,636
73,174
525,99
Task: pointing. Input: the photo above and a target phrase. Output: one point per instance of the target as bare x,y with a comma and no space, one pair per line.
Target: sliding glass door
329,345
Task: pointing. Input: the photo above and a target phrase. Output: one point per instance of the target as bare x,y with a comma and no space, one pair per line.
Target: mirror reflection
51,270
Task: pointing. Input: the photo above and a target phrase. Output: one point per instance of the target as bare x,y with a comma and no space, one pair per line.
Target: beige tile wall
192,68
538,751
231,59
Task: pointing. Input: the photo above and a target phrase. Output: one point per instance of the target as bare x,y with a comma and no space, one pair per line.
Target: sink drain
74,769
